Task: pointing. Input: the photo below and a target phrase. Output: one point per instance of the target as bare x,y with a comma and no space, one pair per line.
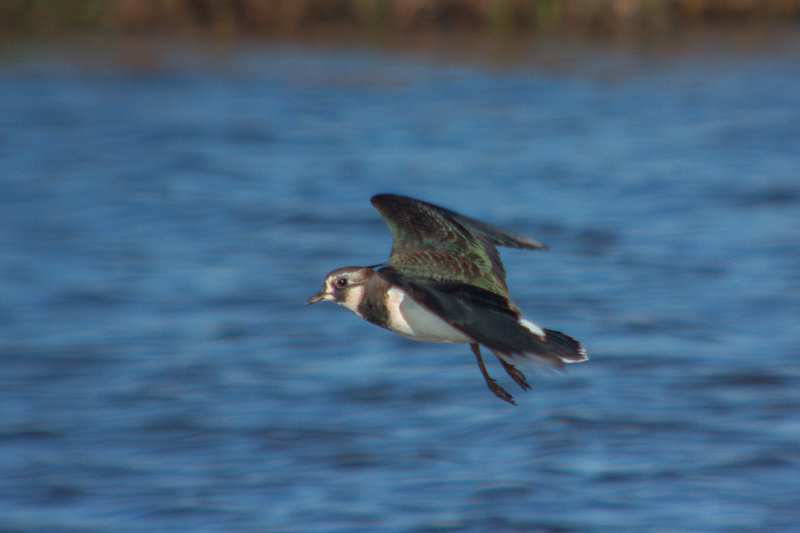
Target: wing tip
384,196
530,243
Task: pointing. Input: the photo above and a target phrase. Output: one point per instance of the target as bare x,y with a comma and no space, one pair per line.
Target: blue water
163,219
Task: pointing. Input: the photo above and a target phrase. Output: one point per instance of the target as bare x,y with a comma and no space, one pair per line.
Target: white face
345,286
353,294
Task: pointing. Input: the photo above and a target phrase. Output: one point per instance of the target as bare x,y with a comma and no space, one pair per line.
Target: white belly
414,321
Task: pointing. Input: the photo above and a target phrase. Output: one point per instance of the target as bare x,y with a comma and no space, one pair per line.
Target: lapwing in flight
444,282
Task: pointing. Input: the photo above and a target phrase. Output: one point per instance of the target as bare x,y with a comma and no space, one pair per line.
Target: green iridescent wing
431,242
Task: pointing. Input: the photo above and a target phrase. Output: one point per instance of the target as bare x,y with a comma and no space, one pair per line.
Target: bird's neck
373,305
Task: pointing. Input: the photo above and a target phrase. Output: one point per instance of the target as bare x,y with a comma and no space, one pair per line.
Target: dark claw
516,374
498,391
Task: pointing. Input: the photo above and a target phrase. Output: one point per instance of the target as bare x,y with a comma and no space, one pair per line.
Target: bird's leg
498,391
515,373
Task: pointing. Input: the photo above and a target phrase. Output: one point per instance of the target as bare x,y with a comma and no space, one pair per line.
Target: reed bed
376,19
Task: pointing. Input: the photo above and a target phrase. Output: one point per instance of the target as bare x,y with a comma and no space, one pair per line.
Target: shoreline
397,21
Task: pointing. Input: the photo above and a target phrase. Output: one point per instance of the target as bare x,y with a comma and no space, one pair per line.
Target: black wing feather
485,317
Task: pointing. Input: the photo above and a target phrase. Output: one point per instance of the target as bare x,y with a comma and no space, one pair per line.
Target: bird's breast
412,320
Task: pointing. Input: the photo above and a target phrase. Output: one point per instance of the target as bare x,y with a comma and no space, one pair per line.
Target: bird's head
344,286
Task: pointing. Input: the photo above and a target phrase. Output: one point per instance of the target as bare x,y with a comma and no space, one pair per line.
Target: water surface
161,226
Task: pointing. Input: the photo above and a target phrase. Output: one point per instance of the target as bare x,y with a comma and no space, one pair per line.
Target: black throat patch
373,306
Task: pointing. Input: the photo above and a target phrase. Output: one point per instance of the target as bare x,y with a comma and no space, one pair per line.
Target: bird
444,282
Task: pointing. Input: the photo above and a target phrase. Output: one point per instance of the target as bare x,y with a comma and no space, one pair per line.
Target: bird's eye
341,283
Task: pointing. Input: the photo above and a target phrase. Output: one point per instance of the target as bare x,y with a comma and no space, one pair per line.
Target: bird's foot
516,374
498,391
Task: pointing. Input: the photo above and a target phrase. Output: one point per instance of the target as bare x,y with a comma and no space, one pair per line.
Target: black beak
316,298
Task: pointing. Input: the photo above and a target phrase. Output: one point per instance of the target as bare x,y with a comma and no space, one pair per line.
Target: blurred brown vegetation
376,19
